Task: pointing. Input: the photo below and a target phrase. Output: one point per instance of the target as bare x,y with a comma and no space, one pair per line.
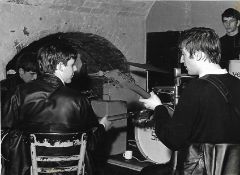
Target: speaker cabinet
116,138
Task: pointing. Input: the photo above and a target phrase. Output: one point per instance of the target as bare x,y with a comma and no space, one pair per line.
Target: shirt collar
218,71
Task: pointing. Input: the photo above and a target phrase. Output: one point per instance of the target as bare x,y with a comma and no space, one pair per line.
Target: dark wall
162,52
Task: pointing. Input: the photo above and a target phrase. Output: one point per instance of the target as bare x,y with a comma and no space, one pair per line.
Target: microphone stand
177,83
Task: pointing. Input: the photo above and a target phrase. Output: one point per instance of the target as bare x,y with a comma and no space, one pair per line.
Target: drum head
150,146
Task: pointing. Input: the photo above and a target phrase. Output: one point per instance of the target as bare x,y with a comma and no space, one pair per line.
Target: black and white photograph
120,87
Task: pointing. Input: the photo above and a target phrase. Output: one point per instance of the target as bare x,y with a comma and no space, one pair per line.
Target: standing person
205,128
47,105
230,42
27,70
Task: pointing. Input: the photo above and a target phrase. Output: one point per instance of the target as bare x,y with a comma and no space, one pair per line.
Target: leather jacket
8,87
210,159
46,105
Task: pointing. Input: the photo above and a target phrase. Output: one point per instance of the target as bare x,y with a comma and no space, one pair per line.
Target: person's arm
96,129
175,131
10,111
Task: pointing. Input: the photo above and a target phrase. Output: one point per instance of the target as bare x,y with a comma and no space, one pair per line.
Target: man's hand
151,102
106,123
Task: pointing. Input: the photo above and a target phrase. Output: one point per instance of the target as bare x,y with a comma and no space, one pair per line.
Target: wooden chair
53,153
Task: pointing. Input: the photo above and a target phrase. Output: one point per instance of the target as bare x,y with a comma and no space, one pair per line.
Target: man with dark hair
205,125
47,105
27,69
230,42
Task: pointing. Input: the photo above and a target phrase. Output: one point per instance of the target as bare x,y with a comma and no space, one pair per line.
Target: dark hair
231,12
50,55
27,61
201,39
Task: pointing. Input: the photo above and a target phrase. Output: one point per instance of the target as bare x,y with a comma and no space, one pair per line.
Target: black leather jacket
46,105
210,159
8,86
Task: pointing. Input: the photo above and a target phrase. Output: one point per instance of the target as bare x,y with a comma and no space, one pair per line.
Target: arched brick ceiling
113,7
98,53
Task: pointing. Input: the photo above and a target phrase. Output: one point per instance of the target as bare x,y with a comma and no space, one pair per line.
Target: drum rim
170,110
140,148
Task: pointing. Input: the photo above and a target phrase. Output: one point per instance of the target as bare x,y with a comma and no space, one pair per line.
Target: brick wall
25,21
120,22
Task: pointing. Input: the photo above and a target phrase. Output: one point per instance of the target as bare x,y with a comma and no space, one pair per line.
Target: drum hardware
150,147
164,89
177,82
142,119
186,76
165,93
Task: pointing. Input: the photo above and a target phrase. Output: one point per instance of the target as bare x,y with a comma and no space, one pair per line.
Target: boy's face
189,62
68,71
27,76
231,25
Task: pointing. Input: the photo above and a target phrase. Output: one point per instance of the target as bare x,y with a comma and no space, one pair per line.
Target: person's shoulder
223,38
234,79
238,36
197,84
226,79
11,82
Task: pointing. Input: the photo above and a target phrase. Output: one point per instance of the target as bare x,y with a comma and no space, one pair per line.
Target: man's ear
60,66
238,24
199,55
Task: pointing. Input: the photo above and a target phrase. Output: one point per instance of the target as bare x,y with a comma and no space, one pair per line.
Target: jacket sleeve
10,111
96,131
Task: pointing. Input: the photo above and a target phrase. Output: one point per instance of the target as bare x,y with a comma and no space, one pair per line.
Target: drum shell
150,146
147,146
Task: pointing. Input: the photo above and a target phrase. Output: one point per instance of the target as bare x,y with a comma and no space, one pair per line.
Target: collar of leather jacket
52,80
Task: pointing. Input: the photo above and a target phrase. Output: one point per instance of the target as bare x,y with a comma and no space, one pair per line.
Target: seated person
27,69
47,105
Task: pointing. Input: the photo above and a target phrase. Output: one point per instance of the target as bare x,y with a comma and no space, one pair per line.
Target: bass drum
150,146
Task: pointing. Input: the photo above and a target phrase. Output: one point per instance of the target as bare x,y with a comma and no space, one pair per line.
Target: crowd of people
204,128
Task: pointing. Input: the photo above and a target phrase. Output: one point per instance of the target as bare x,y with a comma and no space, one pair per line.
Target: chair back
58,152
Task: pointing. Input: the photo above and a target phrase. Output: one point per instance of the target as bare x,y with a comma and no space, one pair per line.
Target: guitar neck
126,81
140,91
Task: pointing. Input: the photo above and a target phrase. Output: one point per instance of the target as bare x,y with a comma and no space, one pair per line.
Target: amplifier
116,138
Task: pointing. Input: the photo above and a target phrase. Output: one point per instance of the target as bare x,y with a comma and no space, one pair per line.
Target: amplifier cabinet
116,138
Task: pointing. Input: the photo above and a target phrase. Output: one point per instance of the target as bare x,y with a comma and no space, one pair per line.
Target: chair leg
31,170
83,169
